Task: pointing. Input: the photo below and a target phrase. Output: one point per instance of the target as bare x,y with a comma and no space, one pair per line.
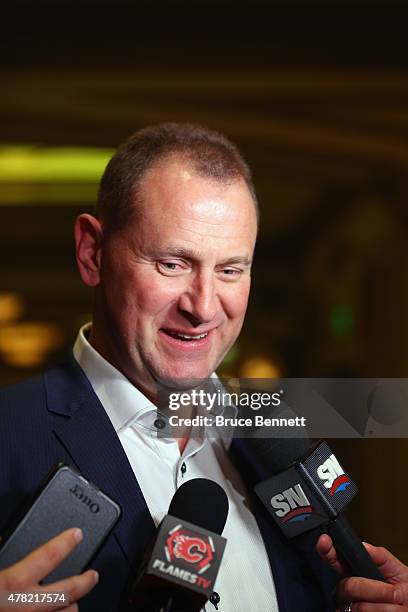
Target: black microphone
179,572
309,488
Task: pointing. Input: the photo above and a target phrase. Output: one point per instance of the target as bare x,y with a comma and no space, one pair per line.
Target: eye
172,268
231,273
169,265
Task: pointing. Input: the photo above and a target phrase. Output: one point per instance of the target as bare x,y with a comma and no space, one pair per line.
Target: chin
183,378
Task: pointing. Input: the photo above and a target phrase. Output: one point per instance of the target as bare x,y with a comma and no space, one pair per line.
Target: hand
26,574
370,595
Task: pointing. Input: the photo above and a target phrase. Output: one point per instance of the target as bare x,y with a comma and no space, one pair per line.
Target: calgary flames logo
185,546
191,548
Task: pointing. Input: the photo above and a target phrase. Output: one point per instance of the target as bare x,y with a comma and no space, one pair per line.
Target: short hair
208,153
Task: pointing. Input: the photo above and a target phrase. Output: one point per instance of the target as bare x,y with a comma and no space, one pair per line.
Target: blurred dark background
314,93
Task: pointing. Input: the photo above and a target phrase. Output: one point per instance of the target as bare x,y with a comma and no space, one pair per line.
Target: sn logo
292,504
333,475
329,471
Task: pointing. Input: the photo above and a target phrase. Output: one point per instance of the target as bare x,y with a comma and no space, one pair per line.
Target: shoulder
16,395
31,393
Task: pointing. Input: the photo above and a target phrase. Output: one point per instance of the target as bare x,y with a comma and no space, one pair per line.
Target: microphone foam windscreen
202,502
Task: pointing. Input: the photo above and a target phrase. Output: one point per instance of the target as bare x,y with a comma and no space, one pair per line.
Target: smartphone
66,500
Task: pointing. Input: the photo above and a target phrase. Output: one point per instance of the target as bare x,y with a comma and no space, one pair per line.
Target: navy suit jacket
58,417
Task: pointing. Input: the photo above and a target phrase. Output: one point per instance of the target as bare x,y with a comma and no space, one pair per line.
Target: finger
328,553
365,590
75,587
72,588
39,563
389,565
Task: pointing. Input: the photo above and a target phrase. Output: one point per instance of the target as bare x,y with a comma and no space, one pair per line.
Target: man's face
174,283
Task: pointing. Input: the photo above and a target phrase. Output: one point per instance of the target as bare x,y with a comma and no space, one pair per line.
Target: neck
182,443
99,346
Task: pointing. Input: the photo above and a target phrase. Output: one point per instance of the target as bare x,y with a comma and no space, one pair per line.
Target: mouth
186,337
185,340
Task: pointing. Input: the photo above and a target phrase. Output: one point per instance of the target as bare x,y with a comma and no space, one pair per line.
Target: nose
199,301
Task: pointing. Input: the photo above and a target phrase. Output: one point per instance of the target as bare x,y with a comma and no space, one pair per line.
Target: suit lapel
84,429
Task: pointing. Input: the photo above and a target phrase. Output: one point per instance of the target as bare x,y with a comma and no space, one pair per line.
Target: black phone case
66,500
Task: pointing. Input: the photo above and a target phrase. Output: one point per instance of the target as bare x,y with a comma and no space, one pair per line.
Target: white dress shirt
244,582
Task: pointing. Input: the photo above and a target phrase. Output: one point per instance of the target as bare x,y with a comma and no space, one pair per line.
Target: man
169,257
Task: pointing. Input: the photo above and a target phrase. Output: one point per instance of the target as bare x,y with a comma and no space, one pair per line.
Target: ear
88,240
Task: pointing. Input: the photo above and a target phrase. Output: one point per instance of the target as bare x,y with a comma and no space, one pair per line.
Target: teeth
188,336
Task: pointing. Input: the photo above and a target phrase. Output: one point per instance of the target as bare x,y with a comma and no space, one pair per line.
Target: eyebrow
196,256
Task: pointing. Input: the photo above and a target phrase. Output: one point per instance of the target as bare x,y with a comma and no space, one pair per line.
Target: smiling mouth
185,337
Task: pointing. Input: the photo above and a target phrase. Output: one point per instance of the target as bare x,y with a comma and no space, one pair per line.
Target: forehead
171,188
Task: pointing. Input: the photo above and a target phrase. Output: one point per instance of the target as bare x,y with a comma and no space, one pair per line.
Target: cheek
236,302
152,298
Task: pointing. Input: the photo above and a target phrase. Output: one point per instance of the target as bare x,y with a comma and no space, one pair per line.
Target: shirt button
159,424
183,468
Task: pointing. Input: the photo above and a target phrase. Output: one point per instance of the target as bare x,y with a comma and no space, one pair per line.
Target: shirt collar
124,403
